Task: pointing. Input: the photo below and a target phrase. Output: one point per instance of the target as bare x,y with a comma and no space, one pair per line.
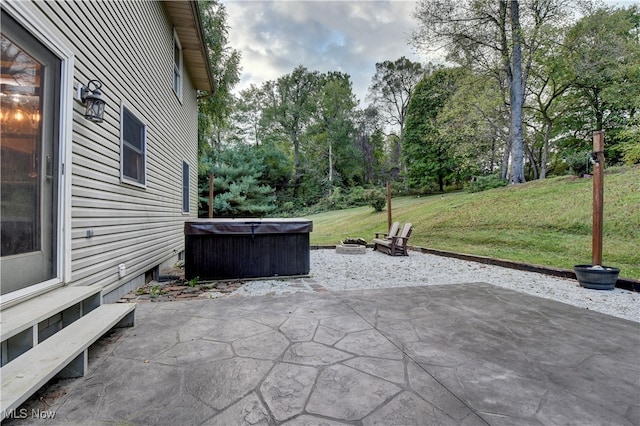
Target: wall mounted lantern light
93,100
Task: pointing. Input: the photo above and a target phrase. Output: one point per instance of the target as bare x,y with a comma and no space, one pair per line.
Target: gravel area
331,272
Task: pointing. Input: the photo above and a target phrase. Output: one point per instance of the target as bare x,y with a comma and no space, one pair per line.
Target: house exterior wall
128,46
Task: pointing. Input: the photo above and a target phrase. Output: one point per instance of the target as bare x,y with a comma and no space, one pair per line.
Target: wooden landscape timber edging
622,283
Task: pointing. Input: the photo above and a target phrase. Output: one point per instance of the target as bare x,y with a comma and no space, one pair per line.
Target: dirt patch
172,286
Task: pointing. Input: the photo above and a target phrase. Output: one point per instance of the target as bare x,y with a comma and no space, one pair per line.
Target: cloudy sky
274,37
344,35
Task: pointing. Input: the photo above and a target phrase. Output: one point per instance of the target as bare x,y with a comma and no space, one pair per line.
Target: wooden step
28,314
63,354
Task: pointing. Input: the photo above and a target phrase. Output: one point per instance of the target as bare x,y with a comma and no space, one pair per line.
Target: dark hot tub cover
247,226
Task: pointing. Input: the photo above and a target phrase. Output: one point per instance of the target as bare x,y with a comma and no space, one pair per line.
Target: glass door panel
29,95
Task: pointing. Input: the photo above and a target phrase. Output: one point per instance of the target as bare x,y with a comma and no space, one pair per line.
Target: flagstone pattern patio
468,354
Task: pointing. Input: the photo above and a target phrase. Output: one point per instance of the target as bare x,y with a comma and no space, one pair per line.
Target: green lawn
541,222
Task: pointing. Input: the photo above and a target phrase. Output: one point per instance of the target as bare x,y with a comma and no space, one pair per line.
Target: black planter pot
604,278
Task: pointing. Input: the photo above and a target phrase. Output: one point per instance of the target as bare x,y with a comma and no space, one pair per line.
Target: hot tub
217,249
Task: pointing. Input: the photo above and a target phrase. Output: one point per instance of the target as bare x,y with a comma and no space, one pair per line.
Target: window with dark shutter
185,187
133,155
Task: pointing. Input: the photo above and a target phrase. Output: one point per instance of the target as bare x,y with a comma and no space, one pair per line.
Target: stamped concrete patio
470,354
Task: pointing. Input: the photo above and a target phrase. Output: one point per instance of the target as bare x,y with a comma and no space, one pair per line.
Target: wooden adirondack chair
396,245
393,231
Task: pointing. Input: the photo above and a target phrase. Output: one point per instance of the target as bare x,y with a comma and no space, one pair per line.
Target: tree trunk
509,73
493,156
296,172
505,161
517,99
545,149
532,159
330,167
395,160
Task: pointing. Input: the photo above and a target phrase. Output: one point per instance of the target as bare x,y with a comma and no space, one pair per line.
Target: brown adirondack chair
393,231
396,245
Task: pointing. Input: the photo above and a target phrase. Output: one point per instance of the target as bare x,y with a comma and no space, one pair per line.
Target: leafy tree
334,130
290,104
428,152
476,123
370,141
237,189
498,37
247,115
390,91
550,80
630,143
214,108
277,163
603,55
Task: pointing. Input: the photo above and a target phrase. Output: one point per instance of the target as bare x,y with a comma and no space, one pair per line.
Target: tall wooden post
598,198
210,195
388,205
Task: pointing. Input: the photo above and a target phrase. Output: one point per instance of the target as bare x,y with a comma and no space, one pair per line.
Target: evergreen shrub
579,163
376,199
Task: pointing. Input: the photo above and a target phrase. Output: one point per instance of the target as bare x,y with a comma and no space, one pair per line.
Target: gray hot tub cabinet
217,249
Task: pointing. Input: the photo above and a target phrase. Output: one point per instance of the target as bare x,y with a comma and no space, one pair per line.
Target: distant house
98,173
89,203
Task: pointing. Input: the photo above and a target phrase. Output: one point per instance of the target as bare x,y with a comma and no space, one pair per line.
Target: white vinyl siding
129,49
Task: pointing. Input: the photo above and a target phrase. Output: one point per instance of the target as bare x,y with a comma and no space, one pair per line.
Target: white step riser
28,314
64,354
